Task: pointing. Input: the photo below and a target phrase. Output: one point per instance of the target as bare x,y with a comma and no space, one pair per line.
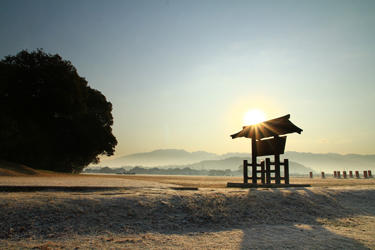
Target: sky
182,74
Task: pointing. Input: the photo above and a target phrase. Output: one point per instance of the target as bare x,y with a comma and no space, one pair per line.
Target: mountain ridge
180,157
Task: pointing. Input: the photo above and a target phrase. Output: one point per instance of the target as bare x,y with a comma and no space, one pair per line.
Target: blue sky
181,74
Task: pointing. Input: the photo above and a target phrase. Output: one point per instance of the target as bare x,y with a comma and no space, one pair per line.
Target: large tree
49,117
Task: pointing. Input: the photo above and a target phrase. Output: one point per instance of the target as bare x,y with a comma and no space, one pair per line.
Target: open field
221,181
145,213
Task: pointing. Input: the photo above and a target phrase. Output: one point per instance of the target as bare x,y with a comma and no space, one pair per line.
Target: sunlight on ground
145,213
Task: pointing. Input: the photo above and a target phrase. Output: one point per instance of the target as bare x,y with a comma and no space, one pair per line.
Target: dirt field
146,213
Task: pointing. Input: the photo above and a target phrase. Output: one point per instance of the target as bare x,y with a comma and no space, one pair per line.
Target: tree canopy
50,117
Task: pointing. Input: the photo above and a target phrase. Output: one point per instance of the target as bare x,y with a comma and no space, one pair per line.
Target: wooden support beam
286,171
277,169
254,174
262,173
254,159
245,174
268,171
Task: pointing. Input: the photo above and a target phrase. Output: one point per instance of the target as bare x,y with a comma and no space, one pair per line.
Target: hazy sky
181,74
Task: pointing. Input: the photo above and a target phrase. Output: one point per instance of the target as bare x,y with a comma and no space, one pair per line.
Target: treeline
161,171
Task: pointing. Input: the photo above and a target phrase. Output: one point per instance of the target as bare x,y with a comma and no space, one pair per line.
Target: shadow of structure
268,218
304,216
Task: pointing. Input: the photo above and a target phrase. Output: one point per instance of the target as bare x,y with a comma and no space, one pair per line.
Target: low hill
228,166
236,163
161,157
15,169
174,157
331,162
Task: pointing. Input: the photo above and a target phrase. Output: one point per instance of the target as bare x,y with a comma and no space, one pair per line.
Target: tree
50,118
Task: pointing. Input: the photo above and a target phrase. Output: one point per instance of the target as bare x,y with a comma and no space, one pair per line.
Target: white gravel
150,215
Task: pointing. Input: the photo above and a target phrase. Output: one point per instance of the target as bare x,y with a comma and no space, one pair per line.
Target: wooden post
334,174
262,172
254,174
286,171
344,174
311,175
350,174
357,174
277,169
268,171
364,174
254,158
245,175
369,173
338,174
323,176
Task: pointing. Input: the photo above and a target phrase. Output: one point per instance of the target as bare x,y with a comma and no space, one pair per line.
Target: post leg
245,175
277,169
268,169
254,158
286,171
262,172
255,177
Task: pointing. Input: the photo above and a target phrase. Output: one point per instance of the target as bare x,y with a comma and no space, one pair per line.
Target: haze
182,74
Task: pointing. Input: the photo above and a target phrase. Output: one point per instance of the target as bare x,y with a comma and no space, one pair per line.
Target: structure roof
277,126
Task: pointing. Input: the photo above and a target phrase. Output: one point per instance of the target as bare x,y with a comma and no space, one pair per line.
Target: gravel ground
151,215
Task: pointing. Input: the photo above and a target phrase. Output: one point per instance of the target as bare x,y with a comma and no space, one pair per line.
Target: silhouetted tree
50,118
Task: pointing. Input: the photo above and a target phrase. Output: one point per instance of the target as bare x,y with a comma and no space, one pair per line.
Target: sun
253,116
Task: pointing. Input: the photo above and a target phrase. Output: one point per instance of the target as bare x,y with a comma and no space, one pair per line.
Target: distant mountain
331,162
227,166
160,157
236,163
202,159
236,154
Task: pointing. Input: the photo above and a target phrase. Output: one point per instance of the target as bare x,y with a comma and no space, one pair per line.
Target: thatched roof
278,126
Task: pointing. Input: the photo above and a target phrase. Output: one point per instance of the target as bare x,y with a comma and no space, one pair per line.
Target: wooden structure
357,174
364,173
266,140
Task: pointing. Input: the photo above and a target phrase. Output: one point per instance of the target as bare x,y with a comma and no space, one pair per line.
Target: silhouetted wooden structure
266,140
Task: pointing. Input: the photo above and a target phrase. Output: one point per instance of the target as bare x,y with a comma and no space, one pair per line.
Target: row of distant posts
337,174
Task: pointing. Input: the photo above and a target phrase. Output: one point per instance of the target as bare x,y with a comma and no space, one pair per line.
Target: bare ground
145,213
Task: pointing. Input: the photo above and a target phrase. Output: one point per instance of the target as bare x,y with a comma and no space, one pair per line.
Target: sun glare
254,116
